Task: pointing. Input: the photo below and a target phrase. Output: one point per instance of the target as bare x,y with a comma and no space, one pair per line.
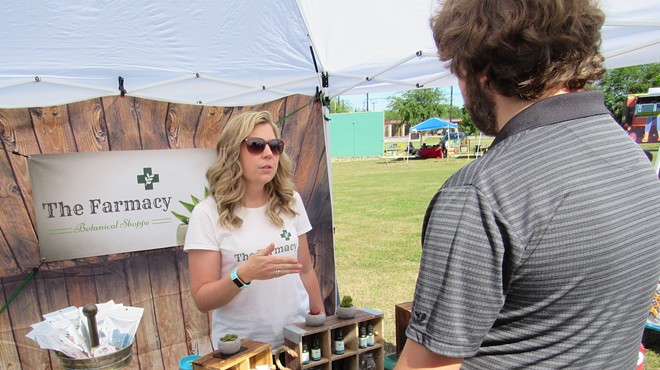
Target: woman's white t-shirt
261,310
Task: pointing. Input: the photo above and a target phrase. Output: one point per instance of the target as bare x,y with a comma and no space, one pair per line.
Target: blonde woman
248,259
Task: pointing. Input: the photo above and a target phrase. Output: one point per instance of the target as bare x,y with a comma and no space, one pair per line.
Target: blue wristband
239,283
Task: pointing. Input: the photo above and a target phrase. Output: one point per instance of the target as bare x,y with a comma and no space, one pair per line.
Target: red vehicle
642,113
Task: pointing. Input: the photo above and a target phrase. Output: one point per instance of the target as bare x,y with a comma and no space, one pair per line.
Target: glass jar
305,354
367,362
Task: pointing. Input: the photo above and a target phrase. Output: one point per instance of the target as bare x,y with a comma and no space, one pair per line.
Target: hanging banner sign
92,204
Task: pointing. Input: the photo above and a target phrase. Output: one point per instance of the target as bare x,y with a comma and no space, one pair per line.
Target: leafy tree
461,114
391,115
618,83
415,106
339,106
466,124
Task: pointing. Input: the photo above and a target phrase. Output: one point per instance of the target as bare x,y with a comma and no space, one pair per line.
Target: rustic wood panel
25,311
18,134
167,306
11,226
180,124
402,314
147,338
156,280
121,119
81,285
8,351
322,248
88,124
151,116
196,324
293,130
211,122
54,134
52,295
19,251
306,129
111,282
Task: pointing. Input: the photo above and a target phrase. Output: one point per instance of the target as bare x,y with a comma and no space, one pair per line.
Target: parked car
452,136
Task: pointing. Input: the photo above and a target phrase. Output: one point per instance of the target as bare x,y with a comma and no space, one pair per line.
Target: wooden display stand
402,319
251,354
296,334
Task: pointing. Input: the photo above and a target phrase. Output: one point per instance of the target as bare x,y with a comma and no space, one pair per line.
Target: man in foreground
545,252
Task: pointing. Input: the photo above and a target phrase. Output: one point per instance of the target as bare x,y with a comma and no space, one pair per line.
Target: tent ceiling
227,52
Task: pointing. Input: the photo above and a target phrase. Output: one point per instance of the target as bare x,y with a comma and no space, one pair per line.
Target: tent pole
385,69
478,152
408,147
63,82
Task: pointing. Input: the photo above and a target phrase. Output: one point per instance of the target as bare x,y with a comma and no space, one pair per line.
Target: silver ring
277,272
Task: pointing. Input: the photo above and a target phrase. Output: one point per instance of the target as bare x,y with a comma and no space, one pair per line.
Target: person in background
411,149
526,262
248,256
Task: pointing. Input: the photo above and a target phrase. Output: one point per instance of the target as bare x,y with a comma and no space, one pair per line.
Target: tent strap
14,151
281,120
22,285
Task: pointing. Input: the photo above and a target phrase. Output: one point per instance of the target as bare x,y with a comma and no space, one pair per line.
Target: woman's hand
262,266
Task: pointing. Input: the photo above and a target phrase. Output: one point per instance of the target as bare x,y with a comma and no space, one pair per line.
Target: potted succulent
229,344
315,317
346,310
182,229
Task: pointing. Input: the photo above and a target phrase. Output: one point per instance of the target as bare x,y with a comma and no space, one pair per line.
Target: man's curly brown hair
524,47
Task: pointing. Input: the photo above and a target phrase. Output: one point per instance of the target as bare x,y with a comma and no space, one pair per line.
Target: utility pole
451,101
373,106
367,102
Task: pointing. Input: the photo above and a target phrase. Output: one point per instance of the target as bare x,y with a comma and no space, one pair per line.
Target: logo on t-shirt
286,235
287,246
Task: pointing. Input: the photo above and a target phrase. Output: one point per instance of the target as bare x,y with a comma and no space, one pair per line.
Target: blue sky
378,101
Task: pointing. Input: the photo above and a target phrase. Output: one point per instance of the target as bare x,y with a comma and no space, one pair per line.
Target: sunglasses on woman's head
256,145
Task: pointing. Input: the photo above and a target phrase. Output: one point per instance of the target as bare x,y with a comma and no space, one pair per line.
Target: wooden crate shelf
251,355
297,334
402,319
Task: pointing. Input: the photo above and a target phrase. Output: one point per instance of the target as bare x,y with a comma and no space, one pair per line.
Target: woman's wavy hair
225,175
524,47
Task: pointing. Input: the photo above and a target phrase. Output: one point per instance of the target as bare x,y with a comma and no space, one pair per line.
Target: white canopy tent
229,53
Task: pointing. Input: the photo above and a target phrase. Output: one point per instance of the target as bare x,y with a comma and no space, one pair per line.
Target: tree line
414,106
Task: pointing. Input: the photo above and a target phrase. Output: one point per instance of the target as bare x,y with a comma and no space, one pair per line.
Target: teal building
356,134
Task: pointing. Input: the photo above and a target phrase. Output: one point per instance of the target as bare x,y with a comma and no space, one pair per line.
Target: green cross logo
285,235
148,179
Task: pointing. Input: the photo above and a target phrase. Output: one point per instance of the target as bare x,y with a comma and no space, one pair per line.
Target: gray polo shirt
544,252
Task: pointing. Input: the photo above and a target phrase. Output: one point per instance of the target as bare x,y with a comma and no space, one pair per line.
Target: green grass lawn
378,208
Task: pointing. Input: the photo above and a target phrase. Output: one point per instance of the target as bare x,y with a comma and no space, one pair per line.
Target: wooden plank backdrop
156,280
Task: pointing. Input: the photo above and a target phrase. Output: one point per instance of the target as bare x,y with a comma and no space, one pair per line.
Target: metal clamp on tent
122,90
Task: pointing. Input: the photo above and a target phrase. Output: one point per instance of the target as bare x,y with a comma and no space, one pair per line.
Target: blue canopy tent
431,124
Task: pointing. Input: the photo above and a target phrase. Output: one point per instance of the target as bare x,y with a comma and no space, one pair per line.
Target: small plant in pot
314,317
346,310
229,344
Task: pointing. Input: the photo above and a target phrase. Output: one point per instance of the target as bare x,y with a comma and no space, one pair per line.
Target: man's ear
483,79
